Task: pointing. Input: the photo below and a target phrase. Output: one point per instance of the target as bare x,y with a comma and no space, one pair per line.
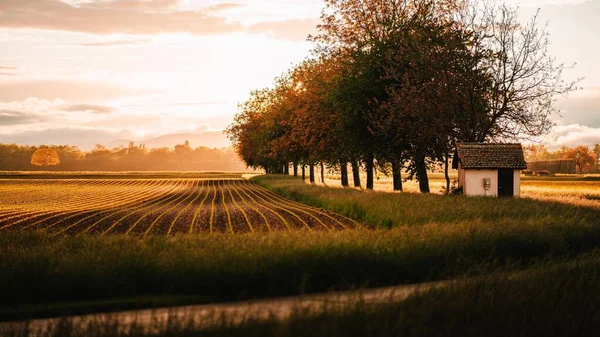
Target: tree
100,158
583,157
558,154
45,158
256,130
596,151
536,152
398,83
525,77
315,125
434,93
355,32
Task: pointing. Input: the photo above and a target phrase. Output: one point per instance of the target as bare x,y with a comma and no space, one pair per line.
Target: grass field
553,299
574,189
384,209
554,232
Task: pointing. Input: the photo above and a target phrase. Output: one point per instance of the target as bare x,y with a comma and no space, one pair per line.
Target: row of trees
132,158
586,159
396,84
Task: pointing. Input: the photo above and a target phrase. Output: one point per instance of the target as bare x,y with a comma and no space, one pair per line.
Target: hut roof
489,156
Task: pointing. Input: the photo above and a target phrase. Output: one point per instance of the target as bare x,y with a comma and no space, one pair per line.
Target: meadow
392,239
544,202
563,187
553,299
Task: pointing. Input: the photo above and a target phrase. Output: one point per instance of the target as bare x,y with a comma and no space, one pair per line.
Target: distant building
489,169
566,166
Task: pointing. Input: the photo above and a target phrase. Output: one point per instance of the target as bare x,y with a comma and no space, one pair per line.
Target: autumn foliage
396,85
45,158
585,160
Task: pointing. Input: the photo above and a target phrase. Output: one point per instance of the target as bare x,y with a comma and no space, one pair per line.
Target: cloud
548,2
223,7
116,16
7,71
35,113
572,135
97,109
66,90
116,43
197,103
152,5
581,107
12,117
85,138
139,17
293,30
32,105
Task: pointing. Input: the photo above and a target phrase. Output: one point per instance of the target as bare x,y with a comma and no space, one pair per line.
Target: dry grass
559,298
584,193
583,190
432,237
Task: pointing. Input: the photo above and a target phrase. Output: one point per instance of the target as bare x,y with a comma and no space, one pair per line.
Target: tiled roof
489,156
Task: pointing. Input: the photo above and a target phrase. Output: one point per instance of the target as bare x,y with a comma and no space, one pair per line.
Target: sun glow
165,65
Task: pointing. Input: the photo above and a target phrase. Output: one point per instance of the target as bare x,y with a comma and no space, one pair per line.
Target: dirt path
232,313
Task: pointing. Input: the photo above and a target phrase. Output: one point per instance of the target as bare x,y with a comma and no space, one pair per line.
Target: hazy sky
136,69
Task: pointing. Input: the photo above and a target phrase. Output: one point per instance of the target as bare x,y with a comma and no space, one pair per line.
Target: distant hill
117,142
213,139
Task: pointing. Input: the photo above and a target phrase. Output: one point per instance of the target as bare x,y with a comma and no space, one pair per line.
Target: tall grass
400,209
44,275
413,238
554,299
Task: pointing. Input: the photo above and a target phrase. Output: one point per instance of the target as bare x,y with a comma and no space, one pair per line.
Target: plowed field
154,206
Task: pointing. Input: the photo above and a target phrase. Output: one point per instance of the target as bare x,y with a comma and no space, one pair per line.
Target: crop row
156,206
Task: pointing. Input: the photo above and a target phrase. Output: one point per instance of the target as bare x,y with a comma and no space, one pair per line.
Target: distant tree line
396,84
131,158
586,159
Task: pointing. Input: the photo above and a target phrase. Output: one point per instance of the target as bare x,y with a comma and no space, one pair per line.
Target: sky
137,69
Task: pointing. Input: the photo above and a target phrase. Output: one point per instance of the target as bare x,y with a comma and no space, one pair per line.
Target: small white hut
489,169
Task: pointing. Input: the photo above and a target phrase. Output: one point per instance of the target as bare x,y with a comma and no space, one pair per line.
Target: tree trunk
311,169
355,174
422,175
397,175
446,174
369,162
303,172
295,169
322,172
344,173
286,169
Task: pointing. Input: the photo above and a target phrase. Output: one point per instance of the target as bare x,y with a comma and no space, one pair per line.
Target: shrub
455,189
543,173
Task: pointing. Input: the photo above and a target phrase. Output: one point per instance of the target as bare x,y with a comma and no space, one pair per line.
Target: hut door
506,182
